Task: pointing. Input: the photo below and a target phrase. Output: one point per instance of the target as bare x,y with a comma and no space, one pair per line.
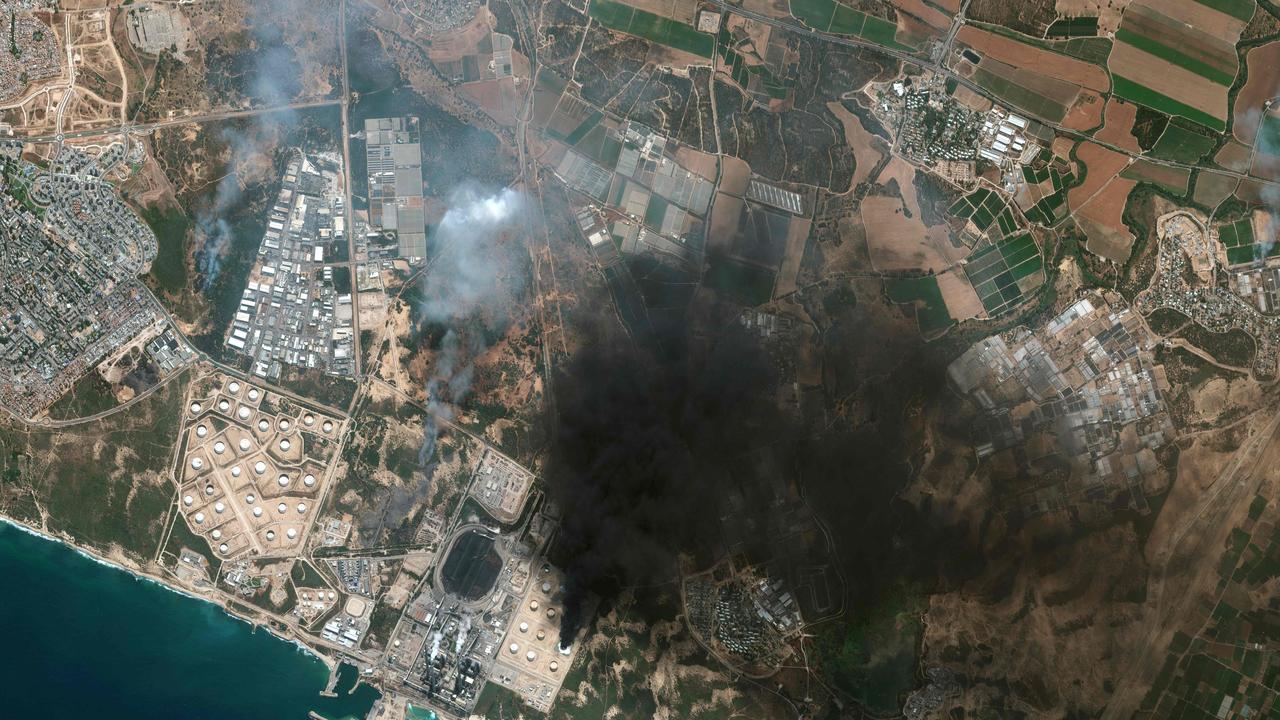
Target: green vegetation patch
169,269
923,293
833,17
1181,144
664,31
995,271
1239,9
1028,100
1237,238
1130,90
1175,56
1073,27
89,395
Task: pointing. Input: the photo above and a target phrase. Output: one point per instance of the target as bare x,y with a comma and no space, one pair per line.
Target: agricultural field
923,293
839,19
1242,248
1100,166
1073,27
664,31
1037,95
1173,179
1263,63
1212,188
1179,144
1225,666
985,209
1034,59
1102,220
1003,273
1179,57
1046,201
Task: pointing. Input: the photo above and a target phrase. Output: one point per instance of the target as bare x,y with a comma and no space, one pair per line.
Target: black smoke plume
649,446
646,444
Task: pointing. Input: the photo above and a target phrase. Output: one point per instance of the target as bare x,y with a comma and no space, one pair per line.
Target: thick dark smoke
648,447
645,447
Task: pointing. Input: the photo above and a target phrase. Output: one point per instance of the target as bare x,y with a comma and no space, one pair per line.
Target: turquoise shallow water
81,639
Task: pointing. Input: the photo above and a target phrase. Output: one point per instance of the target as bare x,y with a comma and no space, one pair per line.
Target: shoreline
330,664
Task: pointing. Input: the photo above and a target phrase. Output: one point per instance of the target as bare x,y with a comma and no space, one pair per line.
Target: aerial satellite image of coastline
631,359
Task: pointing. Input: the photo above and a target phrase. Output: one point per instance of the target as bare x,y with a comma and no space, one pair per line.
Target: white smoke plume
462,634
435,645
476,263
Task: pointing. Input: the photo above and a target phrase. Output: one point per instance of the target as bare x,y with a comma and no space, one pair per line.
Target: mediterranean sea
82,639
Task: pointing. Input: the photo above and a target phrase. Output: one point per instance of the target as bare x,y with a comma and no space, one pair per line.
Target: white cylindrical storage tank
291,533
234,387
202,430
524,627
327,426
223,405
531,656
283,480
244,412
208,489
285,444
302,507
281,508
271,534
245,444
263,425
253,393
284,423
257,511
235,471
195,408
514,648
259,467
197,463
554,666
216,534
222,548
219,448
199,518
219,507
188,500
309,419
248,499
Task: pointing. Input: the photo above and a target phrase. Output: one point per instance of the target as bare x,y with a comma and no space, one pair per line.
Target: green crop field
1014,94
1176,57
1242,249
1239,9
1129,90
1181,145
662,30
994,271
833,17
931,310
1073,27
